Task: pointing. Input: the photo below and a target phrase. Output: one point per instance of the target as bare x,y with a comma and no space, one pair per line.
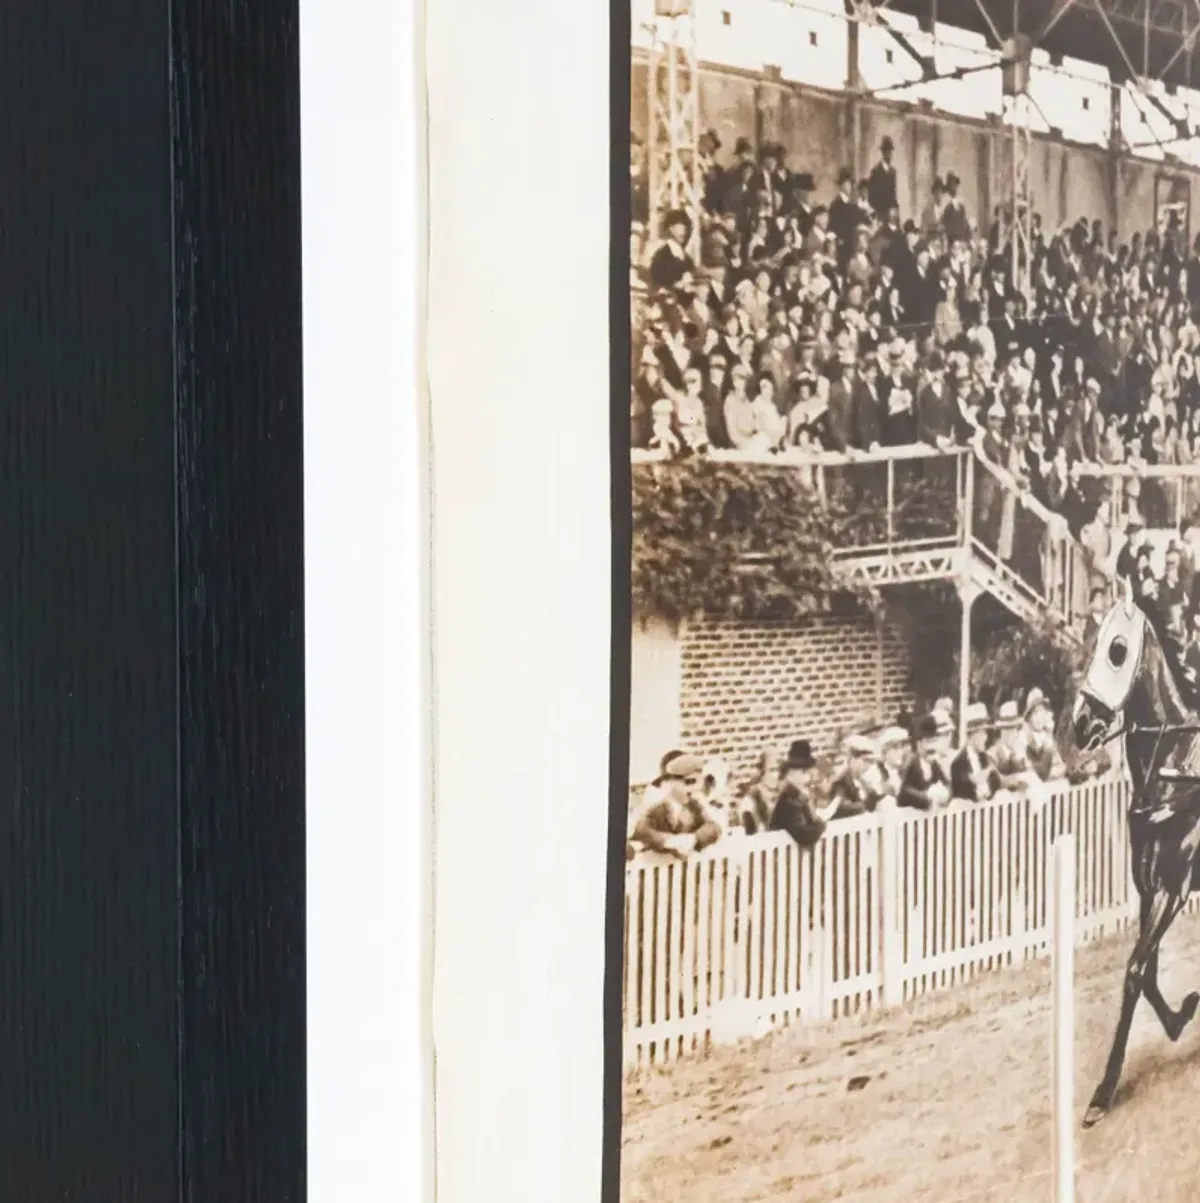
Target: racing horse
1134,679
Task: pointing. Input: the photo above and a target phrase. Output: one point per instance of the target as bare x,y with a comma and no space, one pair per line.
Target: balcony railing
1162,494
915,512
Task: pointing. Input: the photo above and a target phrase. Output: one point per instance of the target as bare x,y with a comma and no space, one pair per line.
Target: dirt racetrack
955,1106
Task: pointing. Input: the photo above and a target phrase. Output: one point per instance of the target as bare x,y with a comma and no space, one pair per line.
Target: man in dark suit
919,292
897,396
716,378
954,213
844,216
671,262
800,189
1081,437
867,406
936,411
973,777
1127,557
841,402
925,785
796,806
881,183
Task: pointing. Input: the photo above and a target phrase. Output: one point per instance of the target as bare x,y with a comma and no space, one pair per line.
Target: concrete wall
1069,180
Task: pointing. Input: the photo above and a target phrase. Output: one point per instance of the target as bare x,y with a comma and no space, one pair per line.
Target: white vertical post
890,915
1062,1059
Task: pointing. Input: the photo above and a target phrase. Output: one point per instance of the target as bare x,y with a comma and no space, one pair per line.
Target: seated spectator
973,776
808,420
849,791
690,419
882,776
1041,748
943,711
672,819
757,802
1008,754
925,785
795,809
752,423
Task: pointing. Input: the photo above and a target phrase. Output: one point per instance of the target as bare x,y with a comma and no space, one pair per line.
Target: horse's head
1111,673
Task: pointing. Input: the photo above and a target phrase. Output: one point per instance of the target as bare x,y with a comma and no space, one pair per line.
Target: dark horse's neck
1156,705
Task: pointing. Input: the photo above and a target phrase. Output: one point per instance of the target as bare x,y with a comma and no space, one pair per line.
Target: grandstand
915,317
1039,363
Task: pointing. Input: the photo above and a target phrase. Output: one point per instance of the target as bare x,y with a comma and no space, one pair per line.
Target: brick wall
747,686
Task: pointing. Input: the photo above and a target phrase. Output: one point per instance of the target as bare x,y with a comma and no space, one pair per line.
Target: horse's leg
1173,1022
1155,917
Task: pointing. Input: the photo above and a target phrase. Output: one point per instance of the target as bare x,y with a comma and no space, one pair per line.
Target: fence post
891,939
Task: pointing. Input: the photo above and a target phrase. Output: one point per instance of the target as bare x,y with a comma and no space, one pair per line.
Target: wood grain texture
236,189
87,632
151,658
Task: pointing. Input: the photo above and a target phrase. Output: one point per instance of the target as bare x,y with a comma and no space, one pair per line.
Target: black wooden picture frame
152,1034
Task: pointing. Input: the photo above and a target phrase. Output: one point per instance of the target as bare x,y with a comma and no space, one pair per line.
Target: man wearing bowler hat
954,212
925,785
671,262
881,183
844,215
800,190
796,806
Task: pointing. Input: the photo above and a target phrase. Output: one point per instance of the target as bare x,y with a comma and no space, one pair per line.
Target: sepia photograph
914,632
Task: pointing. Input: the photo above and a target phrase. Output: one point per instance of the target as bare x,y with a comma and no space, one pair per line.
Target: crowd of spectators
1166,582
849,326
914,764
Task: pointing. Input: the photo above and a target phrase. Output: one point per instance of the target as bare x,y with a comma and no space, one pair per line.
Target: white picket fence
756,932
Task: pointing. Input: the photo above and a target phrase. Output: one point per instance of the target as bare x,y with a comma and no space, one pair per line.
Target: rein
1159,731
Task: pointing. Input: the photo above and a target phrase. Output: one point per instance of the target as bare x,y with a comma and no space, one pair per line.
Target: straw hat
859,745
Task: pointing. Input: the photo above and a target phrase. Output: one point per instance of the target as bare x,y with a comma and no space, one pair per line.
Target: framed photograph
911,523
815,624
